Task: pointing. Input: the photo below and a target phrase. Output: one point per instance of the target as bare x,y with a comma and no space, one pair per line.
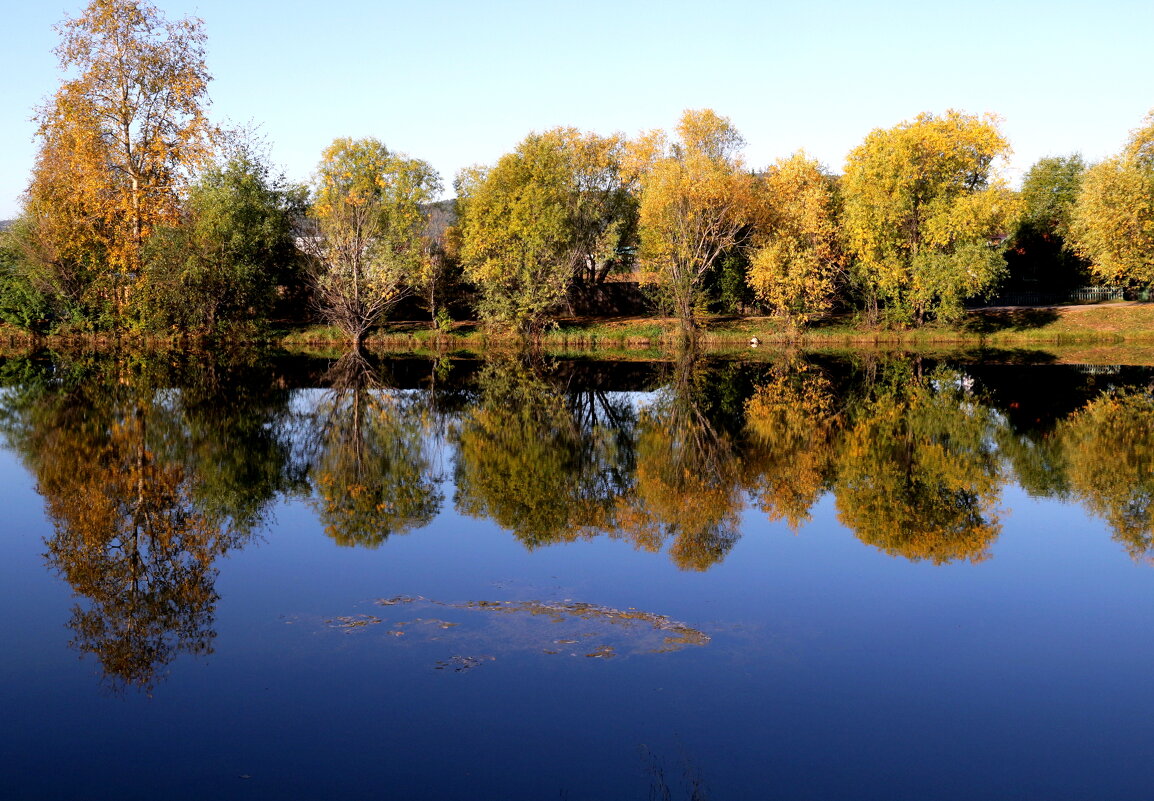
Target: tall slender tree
119,139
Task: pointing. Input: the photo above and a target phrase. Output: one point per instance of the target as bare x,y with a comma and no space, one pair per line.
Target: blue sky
458,83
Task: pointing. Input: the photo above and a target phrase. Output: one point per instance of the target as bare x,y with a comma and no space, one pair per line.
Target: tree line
143,215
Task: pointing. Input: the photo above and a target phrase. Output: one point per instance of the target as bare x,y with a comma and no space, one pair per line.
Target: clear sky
458,82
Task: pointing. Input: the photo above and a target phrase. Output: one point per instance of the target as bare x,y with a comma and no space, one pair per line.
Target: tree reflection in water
686,490
370,464
917,473
152,468
1109,446
538,467
127,535
792,424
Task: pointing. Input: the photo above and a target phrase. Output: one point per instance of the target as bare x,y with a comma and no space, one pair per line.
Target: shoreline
1128,325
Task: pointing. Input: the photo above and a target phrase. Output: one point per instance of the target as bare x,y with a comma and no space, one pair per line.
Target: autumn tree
367,222
696,202
118,141
926,213
554,212
1113,219
798,264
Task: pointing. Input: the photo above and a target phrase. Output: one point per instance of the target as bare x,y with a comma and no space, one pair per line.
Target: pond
258,576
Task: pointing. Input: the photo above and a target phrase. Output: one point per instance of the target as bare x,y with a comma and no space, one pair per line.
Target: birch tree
119,139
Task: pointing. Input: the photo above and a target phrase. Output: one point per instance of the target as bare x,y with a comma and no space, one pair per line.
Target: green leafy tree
368,220
1113,218
926,214
235,246
554,212
1039,256
25,302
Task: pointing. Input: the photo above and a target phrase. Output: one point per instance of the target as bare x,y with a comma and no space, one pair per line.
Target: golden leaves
1113,217
925,211
798,262
119,139
696,198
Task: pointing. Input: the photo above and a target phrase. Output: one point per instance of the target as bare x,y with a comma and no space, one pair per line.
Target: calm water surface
257,577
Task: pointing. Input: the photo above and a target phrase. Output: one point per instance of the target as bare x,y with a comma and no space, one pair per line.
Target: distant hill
442,214
6,224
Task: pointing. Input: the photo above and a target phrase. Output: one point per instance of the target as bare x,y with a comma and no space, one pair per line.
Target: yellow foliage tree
697,200
368,211
118,139
926,213
797,263
1113,219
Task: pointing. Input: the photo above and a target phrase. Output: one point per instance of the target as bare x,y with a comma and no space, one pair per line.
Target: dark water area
255,576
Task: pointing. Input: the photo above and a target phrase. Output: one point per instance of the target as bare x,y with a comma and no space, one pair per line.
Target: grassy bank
1037,328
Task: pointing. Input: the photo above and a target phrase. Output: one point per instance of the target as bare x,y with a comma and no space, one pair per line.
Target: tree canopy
118,142
1113,219
368,215
798,264
697,200
554,212
926,212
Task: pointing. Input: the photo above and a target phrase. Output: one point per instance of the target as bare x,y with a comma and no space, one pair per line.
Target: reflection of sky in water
833,670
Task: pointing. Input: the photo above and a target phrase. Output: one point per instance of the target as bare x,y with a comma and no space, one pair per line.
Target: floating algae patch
353,622
566,628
